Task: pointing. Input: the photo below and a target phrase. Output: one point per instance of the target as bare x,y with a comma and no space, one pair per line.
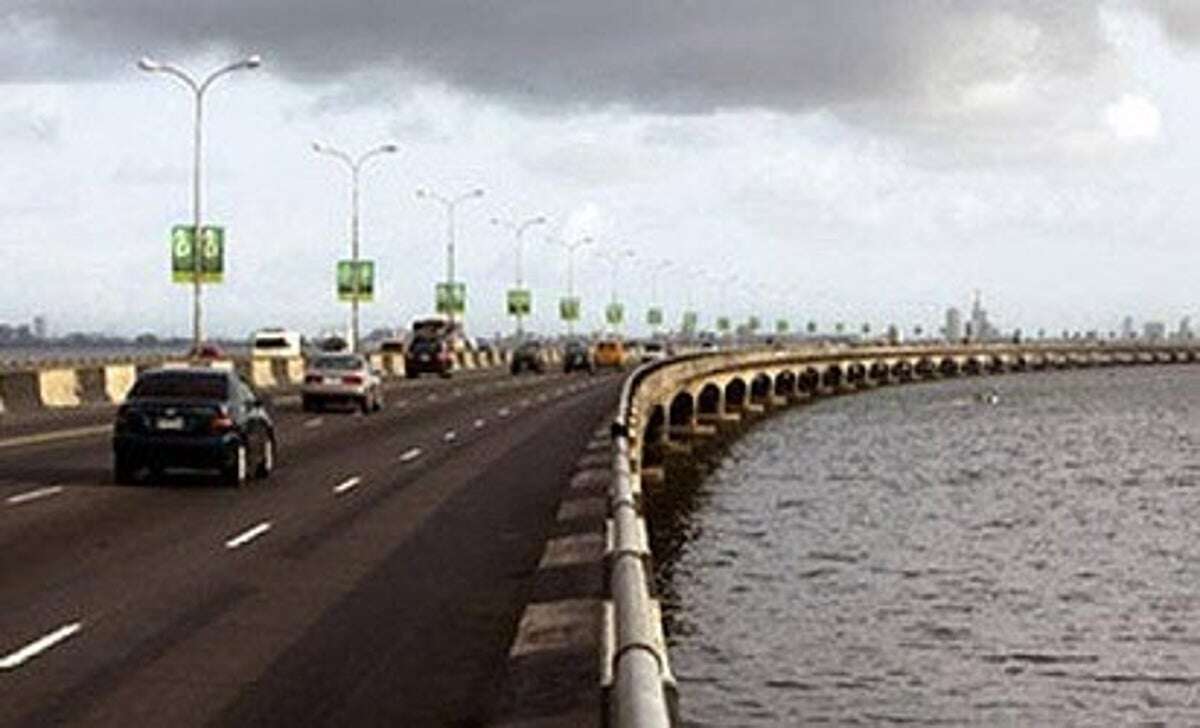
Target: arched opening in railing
973,366
997,365
785,384
880,372
902,370
709,401
925,368
948,367
683,410
760,389
735,395
833,377
810,380
653,437
856,373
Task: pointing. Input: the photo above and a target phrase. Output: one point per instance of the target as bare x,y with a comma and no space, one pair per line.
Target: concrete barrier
91,385
262,373
279,371
58,388
118,380
20,391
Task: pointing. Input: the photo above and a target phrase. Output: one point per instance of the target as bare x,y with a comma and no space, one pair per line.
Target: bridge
474,555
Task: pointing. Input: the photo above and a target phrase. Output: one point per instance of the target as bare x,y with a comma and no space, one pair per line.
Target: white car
653,351
341,379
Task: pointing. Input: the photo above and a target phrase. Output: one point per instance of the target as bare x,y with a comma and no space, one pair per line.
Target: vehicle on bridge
194,419
610,353
577,355
653,351
346,379
428,355
529,356
276,342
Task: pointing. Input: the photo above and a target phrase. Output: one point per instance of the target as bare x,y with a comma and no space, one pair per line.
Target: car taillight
312,379
352,379
221,421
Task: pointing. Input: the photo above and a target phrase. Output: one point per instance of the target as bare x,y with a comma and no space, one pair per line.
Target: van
276,343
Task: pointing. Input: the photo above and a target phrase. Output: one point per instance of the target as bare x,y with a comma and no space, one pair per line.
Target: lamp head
389,148
148,64
253,61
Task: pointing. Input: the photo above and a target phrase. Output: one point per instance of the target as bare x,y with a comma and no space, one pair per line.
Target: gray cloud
682,56
1180,19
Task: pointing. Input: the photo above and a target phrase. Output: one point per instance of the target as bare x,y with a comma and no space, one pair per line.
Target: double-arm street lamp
571,246
450,203
198,88
354,164
518,229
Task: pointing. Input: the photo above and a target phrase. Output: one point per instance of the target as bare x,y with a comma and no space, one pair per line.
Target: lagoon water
913,556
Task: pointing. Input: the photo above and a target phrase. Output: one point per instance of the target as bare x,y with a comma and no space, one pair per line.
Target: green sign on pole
753,323
569,308
451,298
723,323
782,326
347,275
614,313
654,316
520,302
690,320
211,254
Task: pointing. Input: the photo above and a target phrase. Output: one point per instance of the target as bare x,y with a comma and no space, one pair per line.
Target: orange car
610,353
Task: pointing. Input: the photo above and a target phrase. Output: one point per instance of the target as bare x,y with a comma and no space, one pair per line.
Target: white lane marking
402,403
503,412
458,392
542,398
248,535
410,455
38,646
33,495
526,402
315,422
42,437
450,436
479,424
432,397
347,485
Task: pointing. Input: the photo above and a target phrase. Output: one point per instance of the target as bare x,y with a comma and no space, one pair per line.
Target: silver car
341,379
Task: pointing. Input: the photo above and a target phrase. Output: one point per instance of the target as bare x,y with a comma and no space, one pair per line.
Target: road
375,579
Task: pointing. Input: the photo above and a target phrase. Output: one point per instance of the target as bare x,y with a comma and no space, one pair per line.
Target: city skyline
1052,171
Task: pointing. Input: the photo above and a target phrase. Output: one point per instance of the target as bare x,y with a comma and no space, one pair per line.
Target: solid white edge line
33,495
55,436
347,484
315,422
410,455
248,535
38,646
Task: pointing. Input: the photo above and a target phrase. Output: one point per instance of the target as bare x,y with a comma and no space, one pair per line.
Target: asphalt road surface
375,579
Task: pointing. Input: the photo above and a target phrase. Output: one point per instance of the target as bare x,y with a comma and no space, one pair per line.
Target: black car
528,356
577,355
196,419
428,354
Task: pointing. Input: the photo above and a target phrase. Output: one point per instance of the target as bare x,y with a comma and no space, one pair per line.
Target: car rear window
183,385
607,345
271,342
425,345
392,346
337,362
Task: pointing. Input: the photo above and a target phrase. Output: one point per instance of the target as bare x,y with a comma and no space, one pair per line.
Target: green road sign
753,323
569,308
520,302
723,323
451,298
690,320
614,313
782,326
654,316
184,254
356,280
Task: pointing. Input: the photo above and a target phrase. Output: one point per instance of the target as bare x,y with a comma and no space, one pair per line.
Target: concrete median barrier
295,370
20,391
58,388
91,385
118,380
262,374
279,371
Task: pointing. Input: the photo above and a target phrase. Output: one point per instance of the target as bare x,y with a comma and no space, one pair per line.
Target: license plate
333,380
170,423
424,357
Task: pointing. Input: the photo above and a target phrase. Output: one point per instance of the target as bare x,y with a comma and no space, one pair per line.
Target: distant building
39,327
1127,328
954,324
1185,328
981,329
1154,330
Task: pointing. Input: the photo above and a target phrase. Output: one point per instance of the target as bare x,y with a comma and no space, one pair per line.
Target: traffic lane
63,549
22,424
188,633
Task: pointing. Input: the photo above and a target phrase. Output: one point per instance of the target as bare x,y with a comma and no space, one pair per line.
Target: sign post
451,299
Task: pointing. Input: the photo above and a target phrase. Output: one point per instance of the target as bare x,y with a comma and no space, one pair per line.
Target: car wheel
124,470
234,474
266,464
377,404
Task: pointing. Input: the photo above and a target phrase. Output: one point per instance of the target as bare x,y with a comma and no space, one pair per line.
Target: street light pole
661,266
355,167
198,88
570,246
450,203
518,230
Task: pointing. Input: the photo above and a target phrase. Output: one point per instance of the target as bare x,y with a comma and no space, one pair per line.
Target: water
914,556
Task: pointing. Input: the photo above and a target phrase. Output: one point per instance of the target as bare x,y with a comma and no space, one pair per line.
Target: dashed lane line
410,455
450,436
248,535
27,496
55,436
346,485
503,412
480,423
14,660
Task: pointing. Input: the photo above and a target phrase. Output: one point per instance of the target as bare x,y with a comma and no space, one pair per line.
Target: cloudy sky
863,160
